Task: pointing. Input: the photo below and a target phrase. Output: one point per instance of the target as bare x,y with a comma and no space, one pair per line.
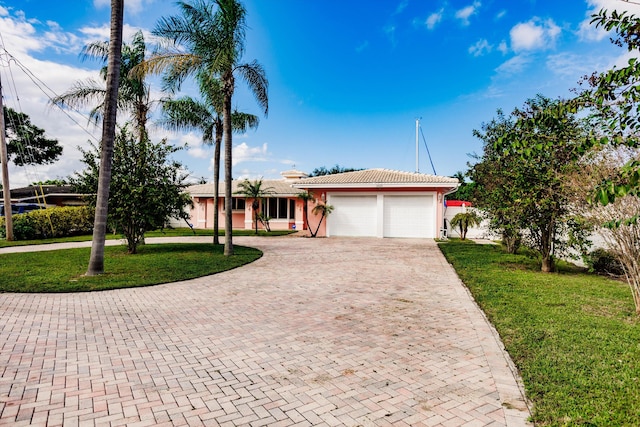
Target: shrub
602,261
51,222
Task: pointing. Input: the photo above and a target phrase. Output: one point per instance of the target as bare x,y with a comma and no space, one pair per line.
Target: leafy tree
133,92
256,192
321,171
96,259
27,143
323,210
466,190
209,40
495,175
620,234
146,187
534,150
58,182
464,220
205,116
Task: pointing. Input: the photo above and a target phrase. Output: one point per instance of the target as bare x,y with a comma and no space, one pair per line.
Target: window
237,203
279,208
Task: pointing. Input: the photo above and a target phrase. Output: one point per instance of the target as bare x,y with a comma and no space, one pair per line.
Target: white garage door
408,216
353,216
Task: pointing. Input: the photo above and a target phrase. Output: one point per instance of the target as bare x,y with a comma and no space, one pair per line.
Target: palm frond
240,122
256,78
95,50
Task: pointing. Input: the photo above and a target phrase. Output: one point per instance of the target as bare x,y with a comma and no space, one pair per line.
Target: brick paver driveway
332,332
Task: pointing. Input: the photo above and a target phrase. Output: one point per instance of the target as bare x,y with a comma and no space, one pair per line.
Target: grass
63,270
574,336
168,232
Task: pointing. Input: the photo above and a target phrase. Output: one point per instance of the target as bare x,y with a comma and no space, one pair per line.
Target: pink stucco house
372,202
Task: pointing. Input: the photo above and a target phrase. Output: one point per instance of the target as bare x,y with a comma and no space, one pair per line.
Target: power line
41,85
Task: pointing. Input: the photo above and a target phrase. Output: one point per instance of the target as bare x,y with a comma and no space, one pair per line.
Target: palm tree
204,40
256,192
305,197
133,92
187,113
321,209
464,220
96,260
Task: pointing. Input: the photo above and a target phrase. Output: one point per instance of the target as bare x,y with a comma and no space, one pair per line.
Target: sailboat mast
417,151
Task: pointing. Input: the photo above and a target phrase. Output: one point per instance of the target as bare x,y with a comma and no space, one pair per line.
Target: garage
408,216
353,216
380,203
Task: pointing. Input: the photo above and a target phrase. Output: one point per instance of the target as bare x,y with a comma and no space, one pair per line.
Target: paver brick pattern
318,332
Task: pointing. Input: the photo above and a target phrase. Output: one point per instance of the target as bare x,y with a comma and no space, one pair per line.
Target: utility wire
40,84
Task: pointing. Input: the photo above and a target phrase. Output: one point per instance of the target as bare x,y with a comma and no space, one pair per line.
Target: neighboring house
380,203
283,206
48,195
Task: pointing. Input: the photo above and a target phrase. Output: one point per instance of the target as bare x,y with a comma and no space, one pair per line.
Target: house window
279,208
237,203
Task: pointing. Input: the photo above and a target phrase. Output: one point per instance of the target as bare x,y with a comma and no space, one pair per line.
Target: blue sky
347,79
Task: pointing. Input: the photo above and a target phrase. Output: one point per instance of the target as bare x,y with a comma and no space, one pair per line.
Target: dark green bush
602,261
51,222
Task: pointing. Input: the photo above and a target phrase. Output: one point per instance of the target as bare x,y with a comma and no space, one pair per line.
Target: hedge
51,222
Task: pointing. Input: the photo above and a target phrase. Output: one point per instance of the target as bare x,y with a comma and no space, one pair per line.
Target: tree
535,150
133,92
306,197
321,171
495,175
323,210
205,116
96,260
204,40
146,186
464,220
621,234
27,143
613,98
256,192
466,189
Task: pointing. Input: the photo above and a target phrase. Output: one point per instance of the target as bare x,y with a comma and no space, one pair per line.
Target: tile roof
376,176
279,187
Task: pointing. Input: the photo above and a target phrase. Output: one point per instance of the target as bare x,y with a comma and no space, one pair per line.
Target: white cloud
362,46
503,47
501,14
514,65
401,7
131,6
390,31
23,38
434,19
481,47
467,12
244,153
533,35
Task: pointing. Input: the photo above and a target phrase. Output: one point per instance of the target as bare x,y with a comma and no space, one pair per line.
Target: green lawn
169,232
574,336
63,270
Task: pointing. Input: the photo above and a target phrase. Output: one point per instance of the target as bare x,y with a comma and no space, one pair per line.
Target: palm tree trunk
228,83
216,184
318,227
96,260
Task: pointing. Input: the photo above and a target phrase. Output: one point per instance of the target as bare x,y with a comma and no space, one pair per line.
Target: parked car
18,208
